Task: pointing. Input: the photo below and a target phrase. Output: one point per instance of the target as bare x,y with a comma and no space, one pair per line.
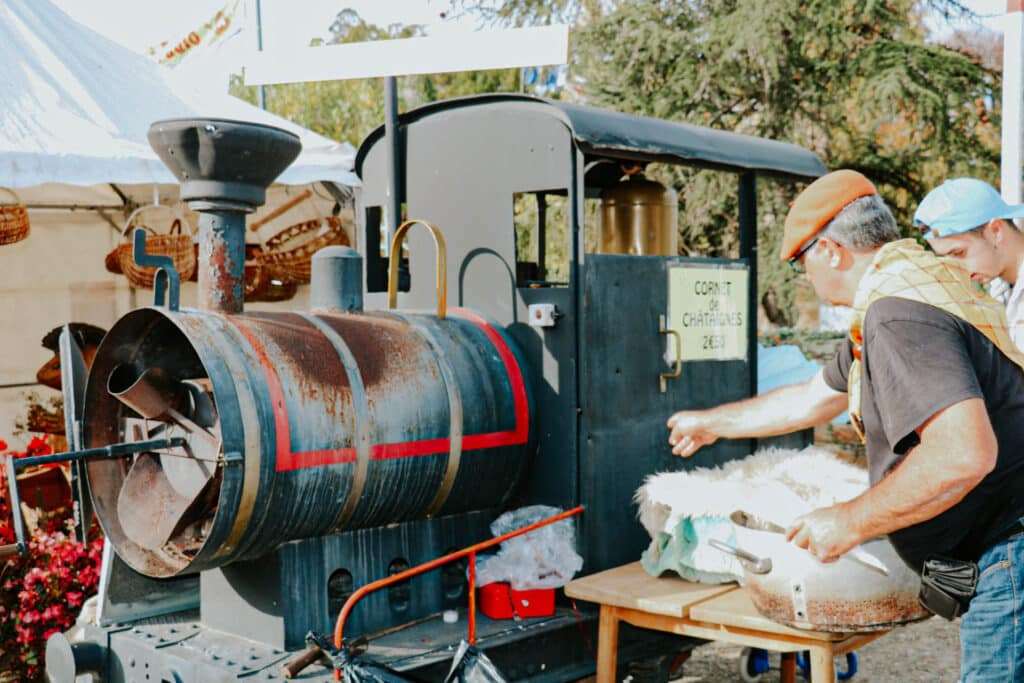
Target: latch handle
663,377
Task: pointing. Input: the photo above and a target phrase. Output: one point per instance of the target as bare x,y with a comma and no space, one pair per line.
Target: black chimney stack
224,168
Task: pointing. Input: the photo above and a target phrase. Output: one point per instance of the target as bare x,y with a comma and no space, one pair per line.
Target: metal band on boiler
454,411
362,421
252,454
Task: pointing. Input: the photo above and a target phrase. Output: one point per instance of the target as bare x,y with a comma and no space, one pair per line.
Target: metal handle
757,565
13,465
166,274
663,377
442,265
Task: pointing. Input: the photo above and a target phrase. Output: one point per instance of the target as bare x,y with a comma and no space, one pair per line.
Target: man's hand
690,431
826,533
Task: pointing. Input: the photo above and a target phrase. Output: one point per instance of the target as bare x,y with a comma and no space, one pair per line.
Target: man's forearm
932,478
911,494
781,411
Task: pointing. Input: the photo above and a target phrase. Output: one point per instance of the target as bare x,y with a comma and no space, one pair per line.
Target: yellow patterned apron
905,270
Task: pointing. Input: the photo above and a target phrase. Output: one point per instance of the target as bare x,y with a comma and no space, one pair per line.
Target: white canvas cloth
76,108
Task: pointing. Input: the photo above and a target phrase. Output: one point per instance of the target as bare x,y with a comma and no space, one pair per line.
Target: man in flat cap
935,387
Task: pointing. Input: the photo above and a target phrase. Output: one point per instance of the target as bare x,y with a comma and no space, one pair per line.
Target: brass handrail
442,265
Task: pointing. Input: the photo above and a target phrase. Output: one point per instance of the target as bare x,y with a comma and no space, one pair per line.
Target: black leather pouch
947,586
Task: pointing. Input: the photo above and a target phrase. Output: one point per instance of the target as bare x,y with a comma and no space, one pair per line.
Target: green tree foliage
853,80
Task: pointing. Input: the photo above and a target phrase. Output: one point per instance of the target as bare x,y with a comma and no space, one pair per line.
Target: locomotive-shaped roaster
303,454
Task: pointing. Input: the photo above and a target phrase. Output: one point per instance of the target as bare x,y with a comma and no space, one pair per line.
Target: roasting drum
841,596
301,425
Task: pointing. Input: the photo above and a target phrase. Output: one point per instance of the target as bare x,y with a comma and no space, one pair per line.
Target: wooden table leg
823,670
607,645
788,674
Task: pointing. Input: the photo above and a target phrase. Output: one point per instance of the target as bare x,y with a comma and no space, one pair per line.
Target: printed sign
707,306
171,53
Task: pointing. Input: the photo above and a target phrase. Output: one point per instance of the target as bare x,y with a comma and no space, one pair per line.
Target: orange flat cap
818,204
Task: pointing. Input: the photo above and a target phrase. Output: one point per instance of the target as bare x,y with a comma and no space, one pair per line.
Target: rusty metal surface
837,613
426,329
189,469
407,405
306,412
338,421
235,383
361,419
844,595
145,337
150,392
162,494
498,437
221,261
150,509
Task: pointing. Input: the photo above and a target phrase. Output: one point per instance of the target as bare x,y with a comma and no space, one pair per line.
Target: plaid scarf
905,270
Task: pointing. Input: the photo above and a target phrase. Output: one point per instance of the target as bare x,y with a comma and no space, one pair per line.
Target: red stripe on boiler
515,377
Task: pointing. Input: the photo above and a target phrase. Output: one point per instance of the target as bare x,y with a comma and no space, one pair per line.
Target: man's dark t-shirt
917,360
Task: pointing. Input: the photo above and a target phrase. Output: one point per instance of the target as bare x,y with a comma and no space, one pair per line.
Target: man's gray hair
864,223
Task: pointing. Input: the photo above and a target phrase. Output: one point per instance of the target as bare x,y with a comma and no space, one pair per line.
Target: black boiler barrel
326,422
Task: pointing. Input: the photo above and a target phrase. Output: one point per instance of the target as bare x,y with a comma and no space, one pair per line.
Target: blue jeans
992,630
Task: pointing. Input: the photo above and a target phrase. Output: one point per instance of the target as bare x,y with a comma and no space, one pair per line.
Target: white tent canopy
76,108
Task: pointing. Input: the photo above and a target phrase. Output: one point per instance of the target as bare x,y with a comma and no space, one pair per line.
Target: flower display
43,589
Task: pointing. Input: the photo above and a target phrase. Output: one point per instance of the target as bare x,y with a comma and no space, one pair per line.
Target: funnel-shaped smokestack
224,168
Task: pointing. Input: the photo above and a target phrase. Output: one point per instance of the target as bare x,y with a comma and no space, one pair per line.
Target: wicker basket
112,263
288,254
175,243
39,419
260,285
14,225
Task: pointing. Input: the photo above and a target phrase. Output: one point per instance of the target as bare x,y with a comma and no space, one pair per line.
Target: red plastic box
499,601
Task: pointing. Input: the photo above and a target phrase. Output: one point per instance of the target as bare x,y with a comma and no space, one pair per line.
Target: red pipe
472,598
469,551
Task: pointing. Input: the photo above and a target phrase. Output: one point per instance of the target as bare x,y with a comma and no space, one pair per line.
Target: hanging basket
13,219
175,243
288,254
39,419
260,285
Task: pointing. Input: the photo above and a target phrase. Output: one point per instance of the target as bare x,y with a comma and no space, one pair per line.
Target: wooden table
713,612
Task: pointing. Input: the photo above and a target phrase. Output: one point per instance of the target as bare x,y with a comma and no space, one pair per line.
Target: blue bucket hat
961,205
